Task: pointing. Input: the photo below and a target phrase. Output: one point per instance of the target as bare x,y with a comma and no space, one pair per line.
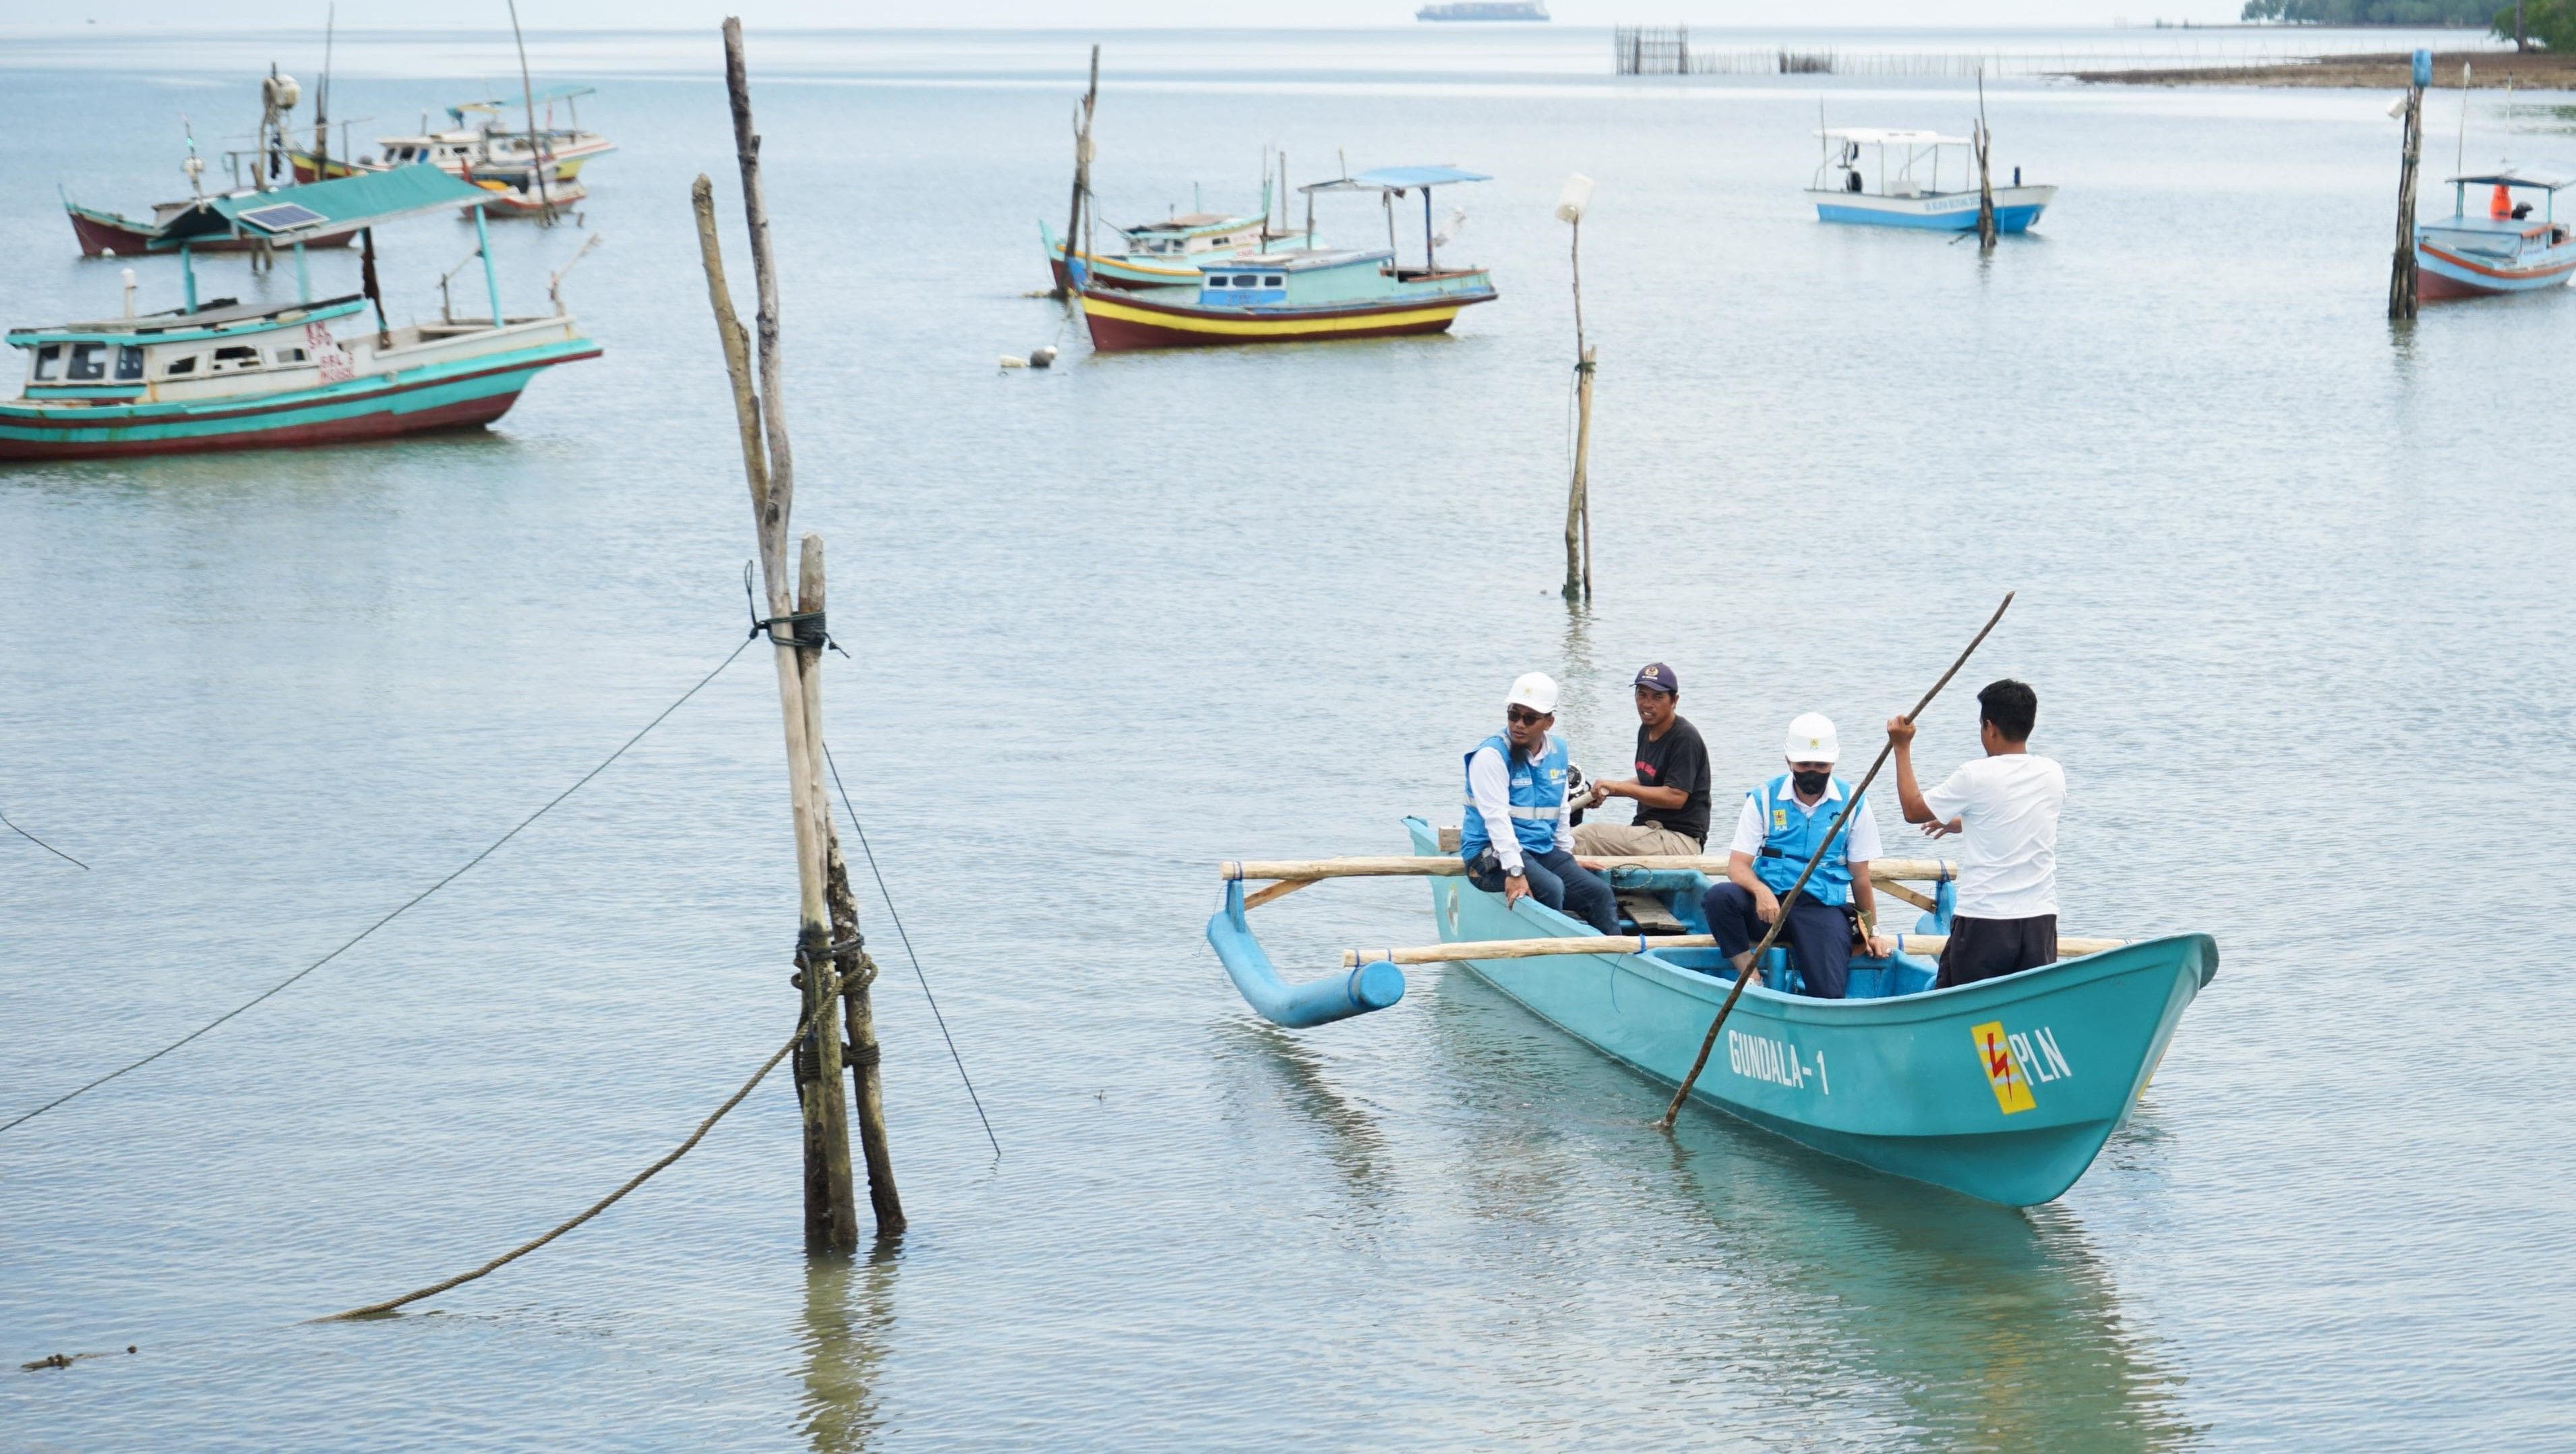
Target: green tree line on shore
2550,23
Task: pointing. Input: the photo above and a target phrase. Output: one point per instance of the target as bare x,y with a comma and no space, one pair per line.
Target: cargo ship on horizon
1484,10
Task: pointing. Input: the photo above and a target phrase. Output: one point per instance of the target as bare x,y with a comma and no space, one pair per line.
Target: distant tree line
2378,12
2550,23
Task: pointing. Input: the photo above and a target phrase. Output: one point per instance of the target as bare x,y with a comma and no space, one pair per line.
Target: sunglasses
1522,715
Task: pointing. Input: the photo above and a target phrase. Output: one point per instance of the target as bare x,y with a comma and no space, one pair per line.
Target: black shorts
1986,948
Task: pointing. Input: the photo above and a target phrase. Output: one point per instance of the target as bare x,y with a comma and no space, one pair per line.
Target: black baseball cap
1660,677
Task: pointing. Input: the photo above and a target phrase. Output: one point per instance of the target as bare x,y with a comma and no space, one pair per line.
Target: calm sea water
2293,592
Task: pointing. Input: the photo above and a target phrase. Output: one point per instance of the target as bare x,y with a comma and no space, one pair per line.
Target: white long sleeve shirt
1489,781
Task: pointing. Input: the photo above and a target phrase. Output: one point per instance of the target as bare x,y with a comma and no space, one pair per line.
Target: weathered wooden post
2401,265
858,974
1578,496
795,628
1985,172
1081,176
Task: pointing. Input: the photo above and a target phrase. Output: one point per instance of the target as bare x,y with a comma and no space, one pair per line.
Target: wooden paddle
1781,921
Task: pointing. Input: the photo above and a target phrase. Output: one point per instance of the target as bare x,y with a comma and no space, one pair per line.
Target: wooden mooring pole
1570,207
796,629
1985,172
2401,263
1081,175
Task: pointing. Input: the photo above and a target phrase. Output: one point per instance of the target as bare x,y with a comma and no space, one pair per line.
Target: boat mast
322,101
536,163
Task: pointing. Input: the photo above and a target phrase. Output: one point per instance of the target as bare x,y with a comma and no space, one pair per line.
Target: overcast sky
1076,14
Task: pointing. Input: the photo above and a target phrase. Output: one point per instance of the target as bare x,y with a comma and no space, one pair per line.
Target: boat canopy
289,214
1881,136
2547,179
1397,180
1296,262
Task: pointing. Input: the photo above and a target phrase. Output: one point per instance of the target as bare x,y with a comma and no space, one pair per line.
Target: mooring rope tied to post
888,896
803,1026
398,912
49,848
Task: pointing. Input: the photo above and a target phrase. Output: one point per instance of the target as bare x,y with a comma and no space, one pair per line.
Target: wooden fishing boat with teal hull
2004,1090
224,375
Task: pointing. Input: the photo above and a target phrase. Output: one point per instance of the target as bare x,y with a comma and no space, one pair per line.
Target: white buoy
1044,358
1013,361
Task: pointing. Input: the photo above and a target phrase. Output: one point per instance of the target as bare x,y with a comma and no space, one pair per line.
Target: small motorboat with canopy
1885,178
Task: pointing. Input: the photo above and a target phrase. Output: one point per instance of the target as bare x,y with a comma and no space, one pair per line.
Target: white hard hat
1811,739
1536,691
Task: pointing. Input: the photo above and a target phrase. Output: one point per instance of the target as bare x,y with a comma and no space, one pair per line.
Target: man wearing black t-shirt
1671,785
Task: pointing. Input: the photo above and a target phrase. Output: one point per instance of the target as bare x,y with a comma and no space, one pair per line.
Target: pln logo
2013,1062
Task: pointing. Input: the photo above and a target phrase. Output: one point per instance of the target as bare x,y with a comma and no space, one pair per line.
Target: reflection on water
1933,1320
848,1327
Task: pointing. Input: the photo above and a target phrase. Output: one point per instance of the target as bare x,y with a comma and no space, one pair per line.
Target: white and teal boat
1885,178
2004,1090
226,375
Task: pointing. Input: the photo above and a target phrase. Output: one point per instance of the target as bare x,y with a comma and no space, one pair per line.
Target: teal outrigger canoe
2004,1090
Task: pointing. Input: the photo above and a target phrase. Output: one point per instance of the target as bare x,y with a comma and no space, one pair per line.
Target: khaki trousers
1620,840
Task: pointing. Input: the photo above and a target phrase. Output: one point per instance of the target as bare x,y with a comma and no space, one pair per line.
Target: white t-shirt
2007,807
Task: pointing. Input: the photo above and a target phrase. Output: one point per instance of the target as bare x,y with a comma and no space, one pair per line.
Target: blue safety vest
1538,799
1789,837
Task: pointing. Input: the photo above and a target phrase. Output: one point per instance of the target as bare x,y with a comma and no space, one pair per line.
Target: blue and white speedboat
1904,190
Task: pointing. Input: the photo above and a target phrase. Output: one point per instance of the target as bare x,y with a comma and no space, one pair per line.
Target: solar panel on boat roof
281,216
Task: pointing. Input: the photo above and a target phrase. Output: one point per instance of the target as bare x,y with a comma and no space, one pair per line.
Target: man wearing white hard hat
1782,823
1514,836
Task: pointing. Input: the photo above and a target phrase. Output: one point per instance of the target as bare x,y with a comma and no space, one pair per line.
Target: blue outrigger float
2004,1090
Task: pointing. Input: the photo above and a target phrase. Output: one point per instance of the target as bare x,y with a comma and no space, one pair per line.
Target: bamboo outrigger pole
1932,944
1781,921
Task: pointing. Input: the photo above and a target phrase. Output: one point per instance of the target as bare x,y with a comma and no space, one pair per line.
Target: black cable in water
908,953
40,843
398,912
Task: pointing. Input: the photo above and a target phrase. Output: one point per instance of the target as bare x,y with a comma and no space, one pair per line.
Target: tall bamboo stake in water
1780,922
2401,263
1985,172
1578,495
831,1212
1081,175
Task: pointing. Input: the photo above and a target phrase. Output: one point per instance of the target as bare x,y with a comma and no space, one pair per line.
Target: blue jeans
1818,936
1559,882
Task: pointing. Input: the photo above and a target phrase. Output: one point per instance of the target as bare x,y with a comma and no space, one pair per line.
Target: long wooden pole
1081,175
1578,498
2401,264
1881,870
1634,944
831,1210
528,93
1781,920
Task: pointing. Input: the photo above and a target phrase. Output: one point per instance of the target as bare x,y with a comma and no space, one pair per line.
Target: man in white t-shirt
2005,808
